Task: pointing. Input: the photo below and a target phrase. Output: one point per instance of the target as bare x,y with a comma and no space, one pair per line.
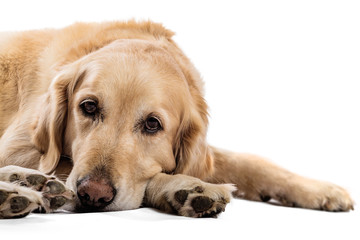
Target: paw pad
265,198
200,201
182,195
198,189
201,204
19,204
36,181
55,187
3,196
57,202
14,177
25,190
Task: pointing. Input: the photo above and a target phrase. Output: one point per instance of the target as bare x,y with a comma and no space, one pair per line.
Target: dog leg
187,196
44,191
260,180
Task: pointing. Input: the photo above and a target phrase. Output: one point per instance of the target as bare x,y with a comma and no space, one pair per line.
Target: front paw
17,201
205,200
54,193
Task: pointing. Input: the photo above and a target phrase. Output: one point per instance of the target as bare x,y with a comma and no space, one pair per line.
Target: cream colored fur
133,70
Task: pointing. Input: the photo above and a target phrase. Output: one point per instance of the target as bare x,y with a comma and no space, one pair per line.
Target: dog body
124,103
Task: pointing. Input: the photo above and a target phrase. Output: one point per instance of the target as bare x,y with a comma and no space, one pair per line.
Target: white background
282,81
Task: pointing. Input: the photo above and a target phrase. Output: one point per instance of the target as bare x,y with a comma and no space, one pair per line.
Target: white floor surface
241,220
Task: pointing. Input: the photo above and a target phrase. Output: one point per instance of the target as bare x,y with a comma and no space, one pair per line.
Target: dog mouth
115,205
88,205
100,191
114,201
79,208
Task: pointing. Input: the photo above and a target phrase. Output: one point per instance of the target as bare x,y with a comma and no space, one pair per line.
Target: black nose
95,193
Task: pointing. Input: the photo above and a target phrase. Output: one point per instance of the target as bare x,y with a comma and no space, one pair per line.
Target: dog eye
89,106
152,125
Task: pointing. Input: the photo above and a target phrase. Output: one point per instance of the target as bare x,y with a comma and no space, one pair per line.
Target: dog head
124,113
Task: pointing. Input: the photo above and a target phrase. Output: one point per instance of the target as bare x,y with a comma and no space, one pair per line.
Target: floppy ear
192,154
51,120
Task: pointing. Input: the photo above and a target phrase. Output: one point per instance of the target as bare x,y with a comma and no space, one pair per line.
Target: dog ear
51,120
192,154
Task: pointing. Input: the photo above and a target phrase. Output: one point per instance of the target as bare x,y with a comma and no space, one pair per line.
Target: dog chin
77,207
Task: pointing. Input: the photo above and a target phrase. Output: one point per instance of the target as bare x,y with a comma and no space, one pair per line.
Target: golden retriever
116,109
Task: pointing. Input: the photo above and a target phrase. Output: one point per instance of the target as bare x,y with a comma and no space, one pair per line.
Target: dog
116,110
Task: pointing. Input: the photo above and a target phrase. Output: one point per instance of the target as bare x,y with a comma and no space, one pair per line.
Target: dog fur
133,72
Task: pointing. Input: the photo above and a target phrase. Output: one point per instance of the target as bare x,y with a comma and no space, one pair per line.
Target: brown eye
152,125
89,106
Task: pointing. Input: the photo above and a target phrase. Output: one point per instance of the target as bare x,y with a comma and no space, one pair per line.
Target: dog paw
317,195
17,201
54,193
206,200
331,197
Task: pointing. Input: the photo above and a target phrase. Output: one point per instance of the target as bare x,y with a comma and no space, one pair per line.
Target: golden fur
133,70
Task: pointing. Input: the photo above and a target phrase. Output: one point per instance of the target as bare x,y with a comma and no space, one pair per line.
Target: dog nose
95,193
